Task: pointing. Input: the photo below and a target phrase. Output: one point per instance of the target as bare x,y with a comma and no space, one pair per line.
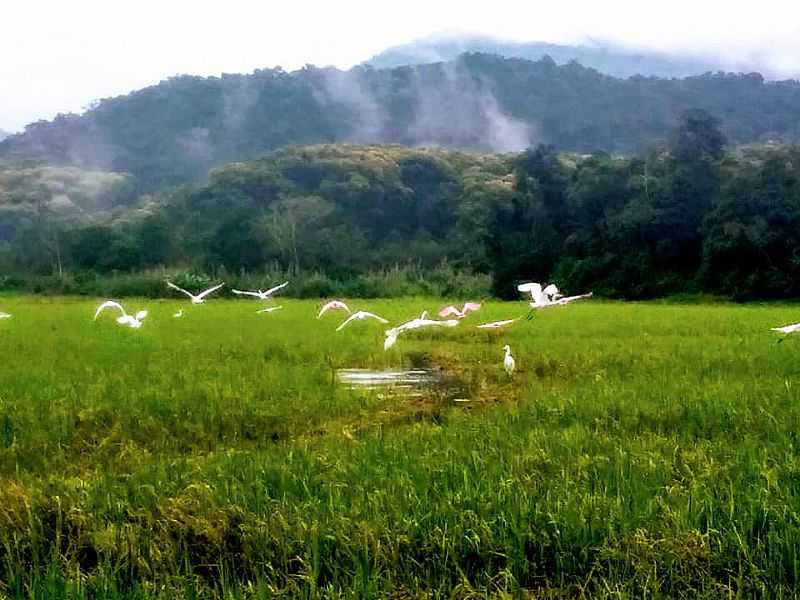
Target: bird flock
540,298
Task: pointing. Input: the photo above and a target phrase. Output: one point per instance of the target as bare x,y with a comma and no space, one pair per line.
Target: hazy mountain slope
4,134
175,131
606,58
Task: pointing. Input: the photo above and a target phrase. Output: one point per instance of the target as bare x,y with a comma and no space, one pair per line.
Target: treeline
685,217
174,132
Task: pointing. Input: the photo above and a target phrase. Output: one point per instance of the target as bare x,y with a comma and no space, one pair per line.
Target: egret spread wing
390,340
210,290
551,290
530,288
109,304
241,293
471,307
449,323
175,287
497,324
373,316
141,315
788,328
450,310
271,291
270,309
350,318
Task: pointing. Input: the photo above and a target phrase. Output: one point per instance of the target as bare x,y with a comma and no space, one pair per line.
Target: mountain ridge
175,131
606,57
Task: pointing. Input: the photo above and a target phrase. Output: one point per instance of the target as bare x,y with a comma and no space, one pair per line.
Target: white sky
60,55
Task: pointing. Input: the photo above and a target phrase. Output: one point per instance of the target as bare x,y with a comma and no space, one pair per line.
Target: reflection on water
407,382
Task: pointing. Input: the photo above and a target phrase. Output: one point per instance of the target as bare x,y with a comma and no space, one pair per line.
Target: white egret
569,299
178,314
360,316
125,319
459,313
269,309
541,297
334,305
509,364
261,295
787,330
4,315
421,321
498,324
199,298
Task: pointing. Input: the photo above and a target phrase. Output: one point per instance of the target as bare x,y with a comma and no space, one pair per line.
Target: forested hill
177,130
3,135
606,58
687,217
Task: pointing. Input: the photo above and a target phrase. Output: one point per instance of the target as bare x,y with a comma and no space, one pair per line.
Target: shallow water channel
406,383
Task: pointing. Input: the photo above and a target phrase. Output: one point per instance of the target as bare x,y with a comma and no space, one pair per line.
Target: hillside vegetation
686,217
174,132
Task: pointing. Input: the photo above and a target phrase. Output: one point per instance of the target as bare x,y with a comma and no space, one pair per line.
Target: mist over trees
690,215
176,131
606,58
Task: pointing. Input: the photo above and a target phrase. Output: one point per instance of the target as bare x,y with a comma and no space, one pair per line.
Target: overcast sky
60,55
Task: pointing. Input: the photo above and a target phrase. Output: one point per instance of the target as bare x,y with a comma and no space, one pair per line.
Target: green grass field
640,451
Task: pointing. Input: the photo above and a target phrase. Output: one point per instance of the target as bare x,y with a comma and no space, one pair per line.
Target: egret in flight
261,295
199,298
541,297
125,319
360,316
334,305
787,330
509,364
459,313
421,321
269,309
498,324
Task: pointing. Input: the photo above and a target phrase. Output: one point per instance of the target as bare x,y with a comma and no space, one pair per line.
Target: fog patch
457,109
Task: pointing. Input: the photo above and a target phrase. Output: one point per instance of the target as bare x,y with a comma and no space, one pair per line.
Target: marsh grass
641,450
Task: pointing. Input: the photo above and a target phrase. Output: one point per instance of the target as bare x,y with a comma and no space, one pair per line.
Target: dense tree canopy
686,216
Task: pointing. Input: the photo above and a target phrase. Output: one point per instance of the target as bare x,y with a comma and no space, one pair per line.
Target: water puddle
407,382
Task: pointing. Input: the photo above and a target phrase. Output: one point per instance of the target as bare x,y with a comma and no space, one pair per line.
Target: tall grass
399,281
639,451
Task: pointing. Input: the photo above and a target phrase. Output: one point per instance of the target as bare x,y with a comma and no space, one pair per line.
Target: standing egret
261,295
199,298
509,364
334,305
359,316
269,309
459,313
178,314
125,319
